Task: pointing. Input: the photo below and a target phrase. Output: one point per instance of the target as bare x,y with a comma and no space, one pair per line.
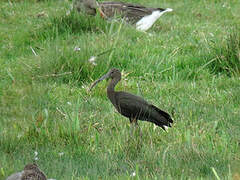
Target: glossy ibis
131,106
142,17
30,172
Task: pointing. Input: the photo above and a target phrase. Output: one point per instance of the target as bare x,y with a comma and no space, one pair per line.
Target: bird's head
87,6
112,73
31,167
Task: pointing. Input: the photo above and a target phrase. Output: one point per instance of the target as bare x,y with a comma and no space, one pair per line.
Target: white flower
77,48
133,174
68,12
19,136
69,103
92,60
61,153
35,153
211,34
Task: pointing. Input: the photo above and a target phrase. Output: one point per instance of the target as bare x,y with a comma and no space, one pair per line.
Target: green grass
188,64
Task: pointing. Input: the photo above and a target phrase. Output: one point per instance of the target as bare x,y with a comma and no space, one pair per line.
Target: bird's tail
164,120
164,126
168,10
162,10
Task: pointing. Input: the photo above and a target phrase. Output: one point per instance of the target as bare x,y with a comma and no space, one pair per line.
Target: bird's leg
103,15
137,129
133,121
130,119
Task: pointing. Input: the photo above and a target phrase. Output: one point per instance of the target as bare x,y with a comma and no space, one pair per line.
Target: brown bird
30,172
142,17
131,106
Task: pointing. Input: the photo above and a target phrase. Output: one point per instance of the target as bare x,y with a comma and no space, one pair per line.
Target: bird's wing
33,174
132,106
139,10
131,11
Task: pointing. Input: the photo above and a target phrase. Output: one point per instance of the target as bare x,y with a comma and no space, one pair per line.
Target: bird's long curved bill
99,80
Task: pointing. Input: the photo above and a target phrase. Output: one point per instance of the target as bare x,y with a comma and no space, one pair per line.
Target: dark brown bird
131,106
142,17
87,6
30,172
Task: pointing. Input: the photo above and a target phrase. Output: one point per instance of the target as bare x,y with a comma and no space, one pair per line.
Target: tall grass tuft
74,22
227,55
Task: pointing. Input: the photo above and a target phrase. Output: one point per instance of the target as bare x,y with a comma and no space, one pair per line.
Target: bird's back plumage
33,175
135,107
130,12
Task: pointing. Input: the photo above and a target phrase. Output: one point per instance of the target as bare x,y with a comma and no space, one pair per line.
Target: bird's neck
112,84
110,89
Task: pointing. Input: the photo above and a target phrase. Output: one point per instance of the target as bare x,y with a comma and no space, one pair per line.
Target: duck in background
142,17
30,172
